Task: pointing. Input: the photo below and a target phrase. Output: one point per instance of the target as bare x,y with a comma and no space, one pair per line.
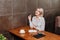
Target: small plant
2,37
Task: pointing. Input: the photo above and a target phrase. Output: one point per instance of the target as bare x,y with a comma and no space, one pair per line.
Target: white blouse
38,24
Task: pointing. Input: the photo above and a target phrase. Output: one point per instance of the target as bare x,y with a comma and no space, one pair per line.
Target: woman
38,21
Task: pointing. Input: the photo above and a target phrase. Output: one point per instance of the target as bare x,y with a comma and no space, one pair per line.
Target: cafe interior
14,19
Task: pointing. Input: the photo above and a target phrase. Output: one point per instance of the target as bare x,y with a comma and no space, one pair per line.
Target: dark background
13,13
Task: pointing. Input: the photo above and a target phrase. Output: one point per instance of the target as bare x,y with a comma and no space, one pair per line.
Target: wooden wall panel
5,7
19,6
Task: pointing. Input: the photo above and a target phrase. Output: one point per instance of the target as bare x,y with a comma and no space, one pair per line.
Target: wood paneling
5,7
19,6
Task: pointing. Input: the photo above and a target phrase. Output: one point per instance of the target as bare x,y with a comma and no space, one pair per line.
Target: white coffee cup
22,31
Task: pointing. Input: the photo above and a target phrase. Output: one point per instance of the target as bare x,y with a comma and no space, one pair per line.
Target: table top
29,36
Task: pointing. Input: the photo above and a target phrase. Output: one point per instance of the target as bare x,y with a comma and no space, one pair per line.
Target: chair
57,25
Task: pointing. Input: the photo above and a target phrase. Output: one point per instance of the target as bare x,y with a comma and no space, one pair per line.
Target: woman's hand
29,17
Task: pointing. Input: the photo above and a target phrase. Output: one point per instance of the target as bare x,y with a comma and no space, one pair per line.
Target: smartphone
39,35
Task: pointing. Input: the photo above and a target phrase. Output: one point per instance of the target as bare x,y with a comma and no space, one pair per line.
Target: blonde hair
41,10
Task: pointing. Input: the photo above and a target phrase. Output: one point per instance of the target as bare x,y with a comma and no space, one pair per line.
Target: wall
12,14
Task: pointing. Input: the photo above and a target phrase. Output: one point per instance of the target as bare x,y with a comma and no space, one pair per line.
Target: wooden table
28,36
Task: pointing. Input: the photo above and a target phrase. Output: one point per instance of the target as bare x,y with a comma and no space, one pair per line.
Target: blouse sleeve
31,23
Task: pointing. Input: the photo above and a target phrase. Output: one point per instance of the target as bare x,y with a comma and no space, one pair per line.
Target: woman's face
37,13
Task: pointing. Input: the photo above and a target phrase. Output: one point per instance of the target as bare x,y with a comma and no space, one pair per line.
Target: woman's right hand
29,17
